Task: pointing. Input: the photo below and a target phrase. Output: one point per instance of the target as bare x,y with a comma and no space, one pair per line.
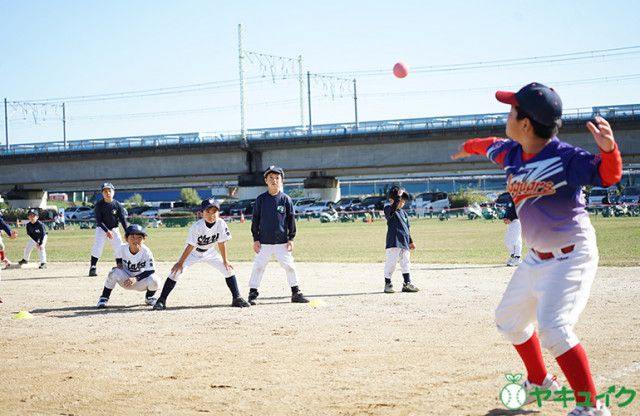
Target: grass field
454,241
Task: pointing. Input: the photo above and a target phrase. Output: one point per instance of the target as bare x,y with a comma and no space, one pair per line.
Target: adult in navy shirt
399,242
274,227
109,213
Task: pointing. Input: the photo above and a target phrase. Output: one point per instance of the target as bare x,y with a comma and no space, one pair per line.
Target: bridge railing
457,122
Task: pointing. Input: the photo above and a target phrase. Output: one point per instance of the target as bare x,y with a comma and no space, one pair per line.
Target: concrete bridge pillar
250,185
27,198
327,188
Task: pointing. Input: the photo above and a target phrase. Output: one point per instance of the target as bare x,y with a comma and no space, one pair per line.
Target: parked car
244,206
431,202
170,206
599,196
371,202
318,207
347,203
225,207
630,195
78,213
150,213
300,203
137,210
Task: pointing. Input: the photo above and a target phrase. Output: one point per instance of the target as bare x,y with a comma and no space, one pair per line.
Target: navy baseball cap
393,193
134,229
107,185
538,101
208,203
32,212
274,169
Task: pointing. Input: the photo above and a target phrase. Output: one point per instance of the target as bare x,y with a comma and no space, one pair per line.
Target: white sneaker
150,301
102,303
514,261
599,410
550,383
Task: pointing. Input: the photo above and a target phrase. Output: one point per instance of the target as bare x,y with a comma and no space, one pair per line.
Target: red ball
400,70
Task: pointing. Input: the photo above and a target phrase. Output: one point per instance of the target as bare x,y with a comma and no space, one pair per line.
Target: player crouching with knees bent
204,235
545,178
38,239
273,227
134,268
399,242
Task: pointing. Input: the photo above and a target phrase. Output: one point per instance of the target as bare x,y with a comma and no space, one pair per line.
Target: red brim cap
506,97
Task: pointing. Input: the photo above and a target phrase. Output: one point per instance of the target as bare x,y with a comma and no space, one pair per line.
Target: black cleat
240,303
159,306
253,295
102,303
43,266
22,262
299,298
93,272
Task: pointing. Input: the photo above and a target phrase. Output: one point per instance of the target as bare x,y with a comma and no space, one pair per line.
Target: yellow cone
23,315
316,303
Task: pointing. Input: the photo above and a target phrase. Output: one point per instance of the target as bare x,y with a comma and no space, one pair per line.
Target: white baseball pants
513,238
211,257
42,252
101,237
120,275
554,292
392,256
284,257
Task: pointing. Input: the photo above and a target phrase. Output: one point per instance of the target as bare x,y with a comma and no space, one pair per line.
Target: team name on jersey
134,267
532,180
204,240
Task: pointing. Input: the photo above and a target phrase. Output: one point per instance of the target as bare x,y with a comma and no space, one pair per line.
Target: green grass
453,241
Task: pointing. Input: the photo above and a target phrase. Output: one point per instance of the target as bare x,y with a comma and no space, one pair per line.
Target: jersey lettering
204,240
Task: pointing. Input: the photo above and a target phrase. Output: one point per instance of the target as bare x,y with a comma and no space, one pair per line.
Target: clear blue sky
64,49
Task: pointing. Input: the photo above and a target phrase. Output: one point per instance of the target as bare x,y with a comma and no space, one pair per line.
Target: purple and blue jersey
547,190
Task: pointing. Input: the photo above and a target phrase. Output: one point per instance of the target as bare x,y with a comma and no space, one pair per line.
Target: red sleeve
610,166
479,146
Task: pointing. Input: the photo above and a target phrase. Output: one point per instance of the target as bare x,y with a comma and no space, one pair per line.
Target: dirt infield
362,352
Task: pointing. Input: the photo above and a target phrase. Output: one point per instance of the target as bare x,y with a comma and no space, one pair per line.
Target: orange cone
242,220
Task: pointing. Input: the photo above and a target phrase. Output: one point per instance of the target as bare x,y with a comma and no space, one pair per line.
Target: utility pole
309,99
243,131
355,101
301,90
6,124
64,128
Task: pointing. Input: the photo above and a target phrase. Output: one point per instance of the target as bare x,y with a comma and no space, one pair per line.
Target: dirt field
362,352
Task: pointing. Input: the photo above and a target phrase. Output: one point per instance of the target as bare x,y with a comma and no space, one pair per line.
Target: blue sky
58,50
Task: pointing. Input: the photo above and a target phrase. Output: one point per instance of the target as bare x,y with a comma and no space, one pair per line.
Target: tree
135,200
190,196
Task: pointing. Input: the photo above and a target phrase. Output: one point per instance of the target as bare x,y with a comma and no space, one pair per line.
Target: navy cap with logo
539,102
208,203
134,229
274,169
107,185
32,212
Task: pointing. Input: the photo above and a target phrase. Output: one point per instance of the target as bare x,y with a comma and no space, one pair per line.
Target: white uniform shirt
136,264
203,238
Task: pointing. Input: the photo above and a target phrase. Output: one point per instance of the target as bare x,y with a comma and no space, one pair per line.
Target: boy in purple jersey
552,285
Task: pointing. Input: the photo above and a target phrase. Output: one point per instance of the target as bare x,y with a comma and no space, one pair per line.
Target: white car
318,207
78,213
431,202
150,213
